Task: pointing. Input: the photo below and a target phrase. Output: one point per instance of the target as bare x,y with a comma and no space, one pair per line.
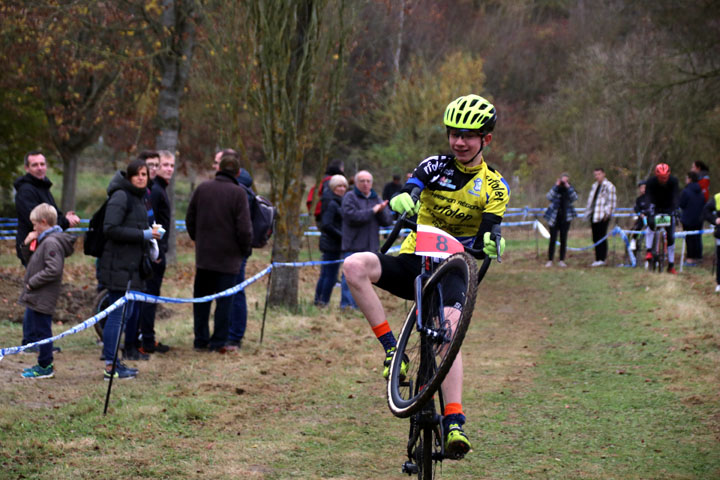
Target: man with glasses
161,169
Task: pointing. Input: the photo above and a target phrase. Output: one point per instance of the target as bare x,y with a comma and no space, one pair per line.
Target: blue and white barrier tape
145,297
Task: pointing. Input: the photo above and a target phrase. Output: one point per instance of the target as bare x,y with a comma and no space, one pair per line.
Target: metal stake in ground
267,297
117,347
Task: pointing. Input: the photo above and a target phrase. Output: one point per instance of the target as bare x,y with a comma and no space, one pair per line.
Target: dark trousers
694,242
147,309
112,325
39,327
562,229
328,278
208,282
238,312
599,230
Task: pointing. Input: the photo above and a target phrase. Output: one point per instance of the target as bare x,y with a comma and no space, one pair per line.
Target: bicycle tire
425,462
406,398
660,251
100,303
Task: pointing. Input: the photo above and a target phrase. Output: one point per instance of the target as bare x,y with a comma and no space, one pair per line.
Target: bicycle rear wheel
431,350
425,451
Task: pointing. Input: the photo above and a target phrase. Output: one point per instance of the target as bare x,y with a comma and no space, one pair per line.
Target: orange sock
384,335
453,408
381,329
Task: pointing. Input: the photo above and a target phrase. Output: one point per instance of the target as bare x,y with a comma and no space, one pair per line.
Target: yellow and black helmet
471,112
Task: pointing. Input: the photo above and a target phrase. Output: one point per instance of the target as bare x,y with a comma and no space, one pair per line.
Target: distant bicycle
659,254
429,344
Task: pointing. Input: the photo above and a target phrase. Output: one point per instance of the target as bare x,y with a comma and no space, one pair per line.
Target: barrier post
117,347
267,297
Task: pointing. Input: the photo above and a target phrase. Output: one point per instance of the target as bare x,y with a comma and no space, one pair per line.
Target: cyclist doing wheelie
460,194
663,192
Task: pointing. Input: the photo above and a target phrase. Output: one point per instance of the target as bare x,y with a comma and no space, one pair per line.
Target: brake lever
496,236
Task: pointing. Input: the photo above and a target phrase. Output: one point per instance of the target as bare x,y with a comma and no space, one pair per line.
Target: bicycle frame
425,445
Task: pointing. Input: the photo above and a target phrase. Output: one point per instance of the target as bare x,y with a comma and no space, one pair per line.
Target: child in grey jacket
45,249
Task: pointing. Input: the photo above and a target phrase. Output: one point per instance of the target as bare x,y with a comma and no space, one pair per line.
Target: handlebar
403,221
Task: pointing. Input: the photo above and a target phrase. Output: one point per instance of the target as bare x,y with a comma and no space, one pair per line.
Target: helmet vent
467,114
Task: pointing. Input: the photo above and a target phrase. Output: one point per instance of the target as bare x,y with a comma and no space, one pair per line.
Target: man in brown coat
218,220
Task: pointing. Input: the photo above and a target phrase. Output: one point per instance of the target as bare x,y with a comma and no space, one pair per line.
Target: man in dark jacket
31,190
363,212
692,202
160,203
218,220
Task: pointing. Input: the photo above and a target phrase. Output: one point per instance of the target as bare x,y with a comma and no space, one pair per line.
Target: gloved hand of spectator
403,203
490,248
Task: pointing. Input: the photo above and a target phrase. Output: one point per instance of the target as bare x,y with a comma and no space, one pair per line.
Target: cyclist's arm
489,220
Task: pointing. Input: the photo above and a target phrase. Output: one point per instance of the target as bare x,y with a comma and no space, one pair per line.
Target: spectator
335,167
45,249
711,213
218,220
692,202
331,239
703,172
161,168
559,215
152,160
362,215
31,190
238,312
600,206
642,205
127,231
392,188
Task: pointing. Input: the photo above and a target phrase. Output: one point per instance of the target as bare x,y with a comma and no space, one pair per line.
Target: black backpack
94,239
262,216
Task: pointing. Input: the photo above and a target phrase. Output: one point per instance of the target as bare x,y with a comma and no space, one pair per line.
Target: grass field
579,373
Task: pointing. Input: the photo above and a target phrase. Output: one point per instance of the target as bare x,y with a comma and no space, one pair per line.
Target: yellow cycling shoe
404,366
456,442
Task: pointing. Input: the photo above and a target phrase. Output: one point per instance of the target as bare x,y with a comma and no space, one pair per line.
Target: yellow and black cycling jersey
457,199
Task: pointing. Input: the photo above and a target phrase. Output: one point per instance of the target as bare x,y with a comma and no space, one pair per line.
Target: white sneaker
717,289
597,263
562,264
549,263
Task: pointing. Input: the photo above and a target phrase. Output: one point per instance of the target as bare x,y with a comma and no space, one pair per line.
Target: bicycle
659,249
430,343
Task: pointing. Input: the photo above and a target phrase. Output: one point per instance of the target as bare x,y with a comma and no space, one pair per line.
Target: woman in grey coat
126,231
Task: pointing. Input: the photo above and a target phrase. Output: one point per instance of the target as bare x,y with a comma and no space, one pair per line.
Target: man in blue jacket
363,213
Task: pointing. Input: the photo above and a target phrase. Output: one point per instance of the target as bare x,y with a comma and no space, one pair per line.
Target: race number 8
442,244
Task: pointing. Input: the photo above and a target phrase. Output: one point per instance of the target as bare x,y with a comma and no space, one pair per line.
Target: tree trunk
69,184
178,20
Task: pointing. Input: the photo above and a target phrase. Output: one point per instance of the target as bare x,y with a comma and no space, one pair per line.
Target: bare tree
292,52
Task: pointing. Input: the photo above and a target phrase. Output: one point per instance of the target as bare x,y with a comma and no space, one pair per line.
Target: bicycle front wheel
431,349
661,251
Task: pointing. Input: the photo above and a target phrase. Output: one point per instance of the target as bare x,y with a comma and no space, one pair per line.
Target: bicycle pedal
410,468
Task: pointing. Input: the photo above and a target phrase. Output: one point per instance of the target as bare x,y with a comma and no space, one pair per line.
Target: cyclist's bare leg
361,270
453,384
